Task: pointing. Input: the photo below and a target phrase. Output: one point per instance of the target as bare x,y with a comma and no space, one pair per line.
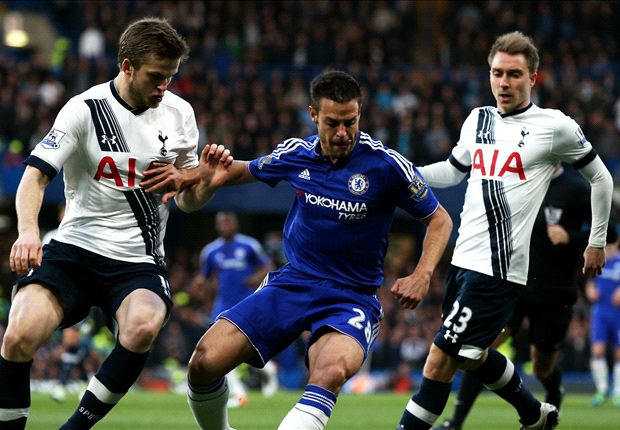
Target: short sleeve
61,142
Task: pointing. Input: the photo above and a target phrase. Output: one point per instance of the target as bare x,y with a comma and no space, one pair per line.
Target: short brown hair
334,85
151,36
516,43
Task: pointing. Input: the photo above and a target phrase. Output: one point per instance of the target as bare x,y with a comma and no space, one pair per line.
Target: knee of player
19,345
140,335
199,369
331,377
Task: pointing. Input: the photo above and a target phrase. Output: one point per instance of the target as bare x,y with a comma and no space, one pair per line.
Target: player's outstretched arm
412,289
216,169
27,252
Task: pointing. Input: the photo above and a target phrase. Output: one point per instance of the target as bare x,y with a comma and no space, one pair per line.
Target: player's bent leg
428,403
499,375
332,359
548,374
222,348
35,313
140,317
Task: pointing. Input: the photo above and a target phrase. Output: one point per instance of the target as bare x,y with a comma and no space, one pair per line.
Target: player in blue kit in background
233,265
347,188
604,292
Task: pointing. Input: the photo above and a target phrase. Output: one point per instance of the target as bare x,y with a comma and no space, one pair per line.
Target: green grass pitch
166,411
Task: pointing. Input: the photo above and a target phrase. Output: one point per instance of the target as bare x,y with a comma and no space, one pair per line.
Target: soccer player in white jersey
347,188
510,152
108,249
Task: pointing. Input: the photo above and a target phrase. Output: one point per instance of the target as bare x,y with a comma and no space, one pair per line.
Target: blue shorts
290,303
81,279
605,327
475,310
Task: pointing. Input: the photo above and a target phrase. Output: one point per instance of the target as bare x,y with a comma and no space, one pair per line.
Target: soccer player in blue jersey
510,152
347,187
234,264
108,251
604,292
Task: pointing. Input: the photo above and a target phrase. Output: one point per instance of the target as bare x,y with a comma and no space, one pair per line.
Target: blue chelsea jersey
606,283
232,261
338,225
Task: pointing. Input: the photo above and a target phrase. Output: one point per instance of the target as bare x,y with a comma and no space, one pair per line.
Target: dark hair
516,43
151,36
334,85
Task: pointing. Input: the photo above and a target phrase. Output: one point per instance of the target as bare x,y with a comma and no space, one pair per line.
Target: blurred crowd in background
423,67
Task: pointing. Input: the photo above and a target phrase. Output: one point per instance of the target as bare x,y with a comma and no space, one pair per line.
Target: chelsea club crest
358,184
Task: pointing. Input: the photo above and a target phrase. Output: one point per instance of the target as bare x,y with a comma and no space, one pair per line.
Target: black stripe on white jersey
500,226
109,133
484,130
145,209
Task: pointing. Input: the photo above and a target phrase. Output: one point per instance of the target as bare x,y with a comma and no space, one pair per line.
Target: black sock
499,375
14,394
553,384
468,391
426,405
113,379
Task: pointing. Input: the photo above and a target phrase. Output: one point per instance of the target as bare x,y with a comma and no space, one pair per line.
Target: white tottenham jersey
511,159
104,146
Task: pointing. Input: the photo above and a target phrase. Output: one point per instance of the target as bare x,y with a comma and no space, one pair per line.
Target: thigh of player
548,324
475,312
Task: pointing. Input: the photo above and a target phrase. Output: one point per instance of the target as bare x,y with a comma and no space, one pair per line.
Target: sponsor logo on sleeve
418,188
53,138
581,138
264,160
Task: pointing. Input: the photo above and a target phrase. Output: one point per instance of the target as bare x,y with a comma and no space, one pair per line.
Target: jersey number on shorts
458,326
358,322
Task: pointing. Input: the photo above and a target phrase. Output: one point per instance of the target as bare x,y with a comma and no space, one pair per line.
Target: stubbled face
511,82
338,125
148,84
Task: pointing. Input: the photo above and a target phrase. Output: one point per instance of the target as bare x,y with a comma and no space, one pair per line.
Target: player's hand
557,234
161,176
411,290
214,162
26,253
594,260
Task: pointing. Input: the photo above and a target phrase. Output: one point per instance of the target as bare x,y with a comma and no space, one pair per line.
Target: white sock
236,387
208,405
617,378
304,417
311,412
600,374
